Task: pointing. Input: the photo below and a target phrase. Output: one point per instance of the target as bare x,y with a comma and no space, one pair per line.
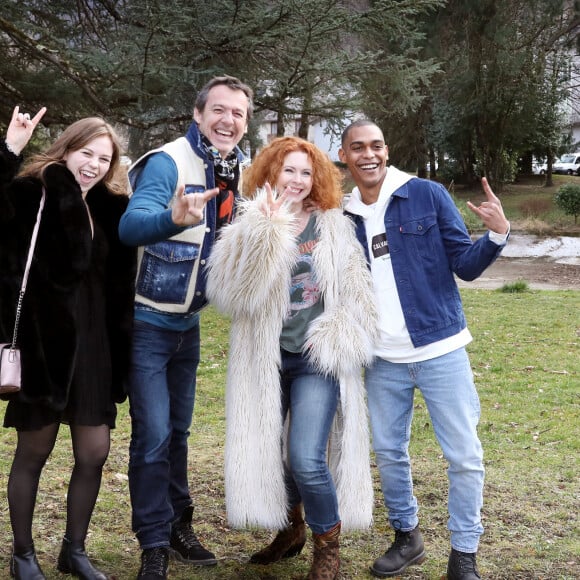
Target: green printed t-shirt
305,299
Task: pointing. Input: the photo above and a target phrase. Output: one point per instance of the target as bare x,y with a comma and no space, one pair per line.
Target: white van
568,164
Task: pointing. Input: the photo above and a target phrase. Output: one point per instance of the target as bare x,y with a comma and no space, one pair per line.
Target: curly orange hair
326,190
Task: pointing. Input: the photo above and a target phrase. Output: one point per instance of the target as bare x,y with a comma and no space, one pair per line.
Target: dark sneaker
407,549
154,563
184,543
462,566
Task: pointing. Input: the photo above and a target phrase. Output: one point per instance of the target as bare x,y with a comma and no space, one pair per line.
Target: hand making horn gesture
188,208
490,212
21,128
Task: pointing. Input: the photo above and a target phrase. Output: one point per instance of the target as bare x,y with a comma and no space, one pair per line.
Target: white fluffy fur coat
249,279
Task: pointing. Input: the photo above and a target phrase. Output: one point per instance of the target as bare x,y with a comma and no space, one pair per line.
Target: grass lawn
527,365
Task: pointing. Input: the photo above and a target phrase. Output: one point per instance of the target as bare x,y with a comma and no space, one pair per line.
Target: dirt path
539,273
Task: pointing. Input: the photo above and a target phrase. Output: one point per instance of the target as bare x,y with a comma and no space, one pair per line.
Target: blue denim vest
172,278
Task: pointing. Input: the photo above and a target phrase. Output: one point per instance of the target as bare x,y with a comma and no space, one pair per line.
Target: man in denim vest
183,193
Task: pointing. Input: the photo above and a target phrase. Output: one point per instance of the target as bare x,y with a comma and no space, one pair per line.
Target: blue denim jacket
428,243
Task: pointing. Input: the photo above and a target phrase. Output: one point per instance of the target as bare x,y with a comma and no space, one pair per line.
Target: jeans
312,400
446,383
161,401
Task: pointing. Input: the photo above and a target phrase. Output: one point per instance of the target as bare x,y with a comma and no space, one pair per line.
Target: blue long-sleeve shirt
148,219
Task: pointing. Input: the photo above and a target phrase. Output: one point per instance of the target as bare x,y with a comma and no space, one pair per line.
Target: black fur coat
48,326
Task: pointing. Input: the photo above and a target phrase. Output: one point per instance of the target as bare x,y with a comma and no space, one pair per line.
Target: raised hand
188,209
21,128
490,212
270,206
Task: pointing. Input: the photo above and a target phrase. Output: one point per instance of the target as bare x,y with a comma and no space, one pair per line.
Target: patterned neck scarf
224,168
227,172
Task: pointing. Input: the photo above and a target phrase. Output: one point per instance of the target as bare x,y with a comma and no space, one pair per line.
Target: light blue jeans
311,399
161,400
446,383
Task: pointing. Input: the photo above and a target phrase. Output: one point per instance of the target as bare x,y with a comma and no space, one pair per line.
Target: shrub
567,198
515,287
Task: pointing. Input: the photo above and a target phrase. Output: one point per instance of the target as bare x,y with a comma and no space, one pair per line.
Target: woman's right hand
271,206
21,128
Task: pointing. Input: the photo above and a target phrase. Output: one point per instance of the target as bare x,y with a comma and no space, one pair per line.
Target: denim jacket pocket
420,232
166,270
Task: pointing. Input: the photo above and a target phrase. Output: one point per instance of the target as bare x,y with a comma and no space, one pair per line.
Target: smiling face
90,163
224,118
365,153
295,177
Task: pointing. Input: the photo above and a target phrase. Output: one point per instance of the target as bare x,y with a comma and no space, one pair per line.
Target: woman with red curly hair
295,282
325,192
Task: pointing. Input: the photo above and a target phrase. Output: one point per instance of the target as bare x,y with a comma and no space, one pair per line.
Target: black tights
90,448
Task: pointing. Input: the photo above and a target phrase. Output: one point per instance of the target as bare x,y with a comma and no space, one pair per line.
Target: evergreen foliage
472,84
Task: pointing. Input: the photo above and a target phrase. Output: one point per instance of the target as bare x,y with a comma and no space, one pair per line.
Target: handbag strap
27,269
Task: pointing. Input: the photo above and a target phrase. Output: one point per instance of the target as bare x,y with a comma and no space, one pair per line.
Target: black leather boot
25,566
154,564
462,566
74,560
407,549
184,544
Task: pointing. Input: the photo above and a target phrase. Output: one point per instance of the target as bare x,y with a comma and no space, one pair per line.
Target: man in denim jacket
183,192
415,241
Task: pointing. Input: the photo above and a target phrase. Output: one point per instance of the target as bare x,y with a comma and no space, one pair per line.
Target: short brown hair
326,190
232,83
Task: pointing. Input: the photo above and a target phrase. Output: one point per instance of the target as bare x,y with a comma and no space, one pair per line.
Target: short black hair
354,125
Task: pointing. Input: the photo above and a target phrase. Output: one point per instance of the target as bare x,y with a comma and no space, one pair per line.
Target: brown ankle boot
287,543
326,562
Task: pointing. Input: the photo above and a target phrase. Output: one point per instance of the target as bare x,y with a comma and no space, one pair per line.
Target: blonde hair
73,138
326,190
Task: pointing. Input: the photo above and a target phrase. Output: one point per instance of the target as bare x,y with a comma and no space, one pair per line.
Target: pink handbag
10,370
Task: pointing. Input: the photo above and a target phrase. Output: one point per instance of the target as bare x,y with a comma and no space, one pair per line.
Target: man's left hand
490,212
